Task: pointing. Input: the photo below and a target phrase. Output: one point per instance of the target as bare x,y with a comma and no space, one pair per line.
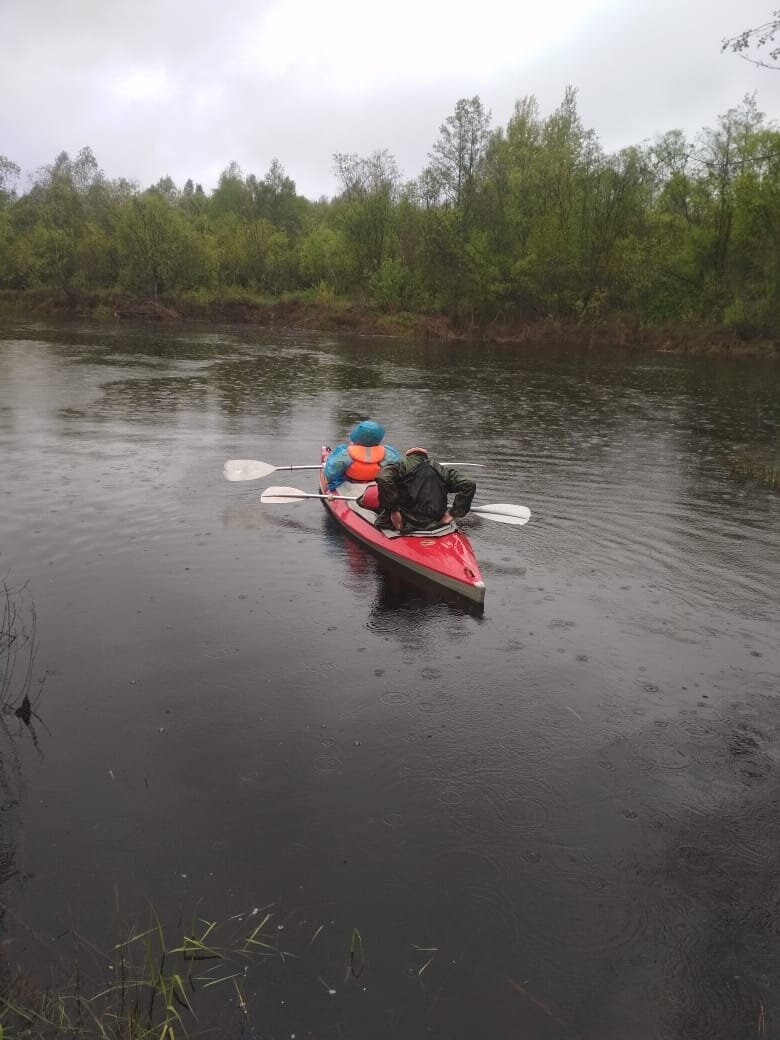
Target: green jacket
454,482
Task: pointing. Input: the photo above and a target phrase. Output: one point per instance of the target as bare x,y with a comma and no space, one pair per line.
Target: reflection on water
402,601
551,819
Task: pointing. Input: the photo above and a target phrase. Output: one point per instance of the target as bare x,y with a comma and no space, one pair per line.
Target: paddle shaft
469,465
299,467
253,469
501,512
291,495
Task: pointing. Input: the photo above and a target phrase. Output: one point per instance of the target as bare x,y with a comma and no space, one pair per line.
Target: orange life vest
366,462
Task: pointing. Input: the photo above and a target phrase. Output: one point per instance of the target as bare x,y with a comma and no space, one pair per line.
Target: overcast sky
182,87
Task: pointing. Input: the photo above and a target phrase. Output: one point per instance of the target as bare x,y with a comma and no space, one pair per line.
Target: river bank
318,314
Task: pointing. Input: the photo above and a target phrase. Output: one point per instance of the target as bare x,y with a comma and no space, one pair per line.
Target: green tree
564,165
364,209
456,157
276,199
9,174
160,252
323,258
232,194
510,203
57,219
193,199
166,189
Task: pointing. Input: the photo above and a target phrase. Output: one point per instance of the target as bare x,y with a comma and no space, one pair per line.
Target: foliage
19,696
153,986
365,210
160,251
163,982
17,653
528,221
457,156
9,173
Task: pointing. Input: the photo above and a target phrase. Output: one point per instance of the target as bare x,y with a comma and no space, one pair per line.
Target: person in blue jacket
362,458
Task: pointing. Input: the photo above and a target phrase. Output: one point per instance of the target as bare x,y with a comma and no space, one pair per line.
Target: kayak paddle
501,512
252,469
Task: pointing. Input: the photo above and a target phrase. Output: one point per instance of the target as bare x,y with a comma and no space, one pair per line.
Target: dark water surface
566,808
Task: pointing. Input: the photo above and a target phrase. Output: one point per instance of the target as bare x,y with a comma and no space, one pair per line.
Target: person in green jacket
413,493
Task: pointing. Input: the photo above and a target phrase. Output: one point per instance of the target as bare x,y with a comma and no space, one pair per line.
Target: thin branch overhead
757,37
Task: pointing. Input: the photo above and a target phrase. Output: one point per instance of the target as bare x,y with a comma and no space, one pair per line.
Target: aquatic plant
17,651
147,986
18,703
164,982
758,468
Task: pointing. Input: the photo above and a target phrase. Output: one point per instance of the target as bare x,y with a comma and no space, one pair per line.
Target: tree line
509,223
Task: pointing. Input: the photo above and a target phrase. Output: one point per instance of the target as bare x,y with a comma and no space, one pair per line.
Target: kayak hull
446,560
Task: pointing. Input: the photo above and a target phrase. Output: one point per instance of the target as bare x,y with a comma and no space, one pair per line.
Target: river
555,819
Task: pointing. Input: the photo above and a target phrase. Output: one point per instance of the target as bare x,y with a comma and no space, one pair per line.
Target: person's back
361,458
413,493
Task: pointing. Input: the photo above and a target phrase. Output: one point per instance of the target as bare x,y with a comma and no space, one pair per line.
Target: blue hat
367,433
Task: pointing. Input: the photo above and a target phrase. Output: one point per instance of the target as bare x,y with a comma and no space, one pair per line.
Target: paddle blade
504,513
246,469
275,496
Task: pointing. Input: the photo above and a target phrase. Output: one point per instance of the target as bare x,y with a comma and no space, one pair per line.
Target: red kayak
446,559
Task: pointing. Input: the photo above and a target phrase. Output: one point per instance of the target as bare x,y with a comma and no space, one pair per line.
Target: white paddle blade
504,513
275,496
502,518
246,469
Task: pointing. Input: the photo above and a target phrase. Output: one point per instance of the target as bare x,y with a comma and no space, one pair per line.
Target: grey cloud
641,68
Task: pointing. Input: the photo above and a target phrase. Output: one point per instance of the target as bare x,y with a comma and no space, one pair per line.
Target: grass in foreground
148,986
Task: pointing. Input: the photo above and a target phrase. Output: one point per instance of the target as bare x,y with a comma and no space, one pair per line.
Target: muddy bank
362,319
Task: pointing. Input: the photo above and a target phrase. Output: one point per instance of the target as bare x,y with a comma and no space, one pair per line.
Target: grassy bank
316,311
